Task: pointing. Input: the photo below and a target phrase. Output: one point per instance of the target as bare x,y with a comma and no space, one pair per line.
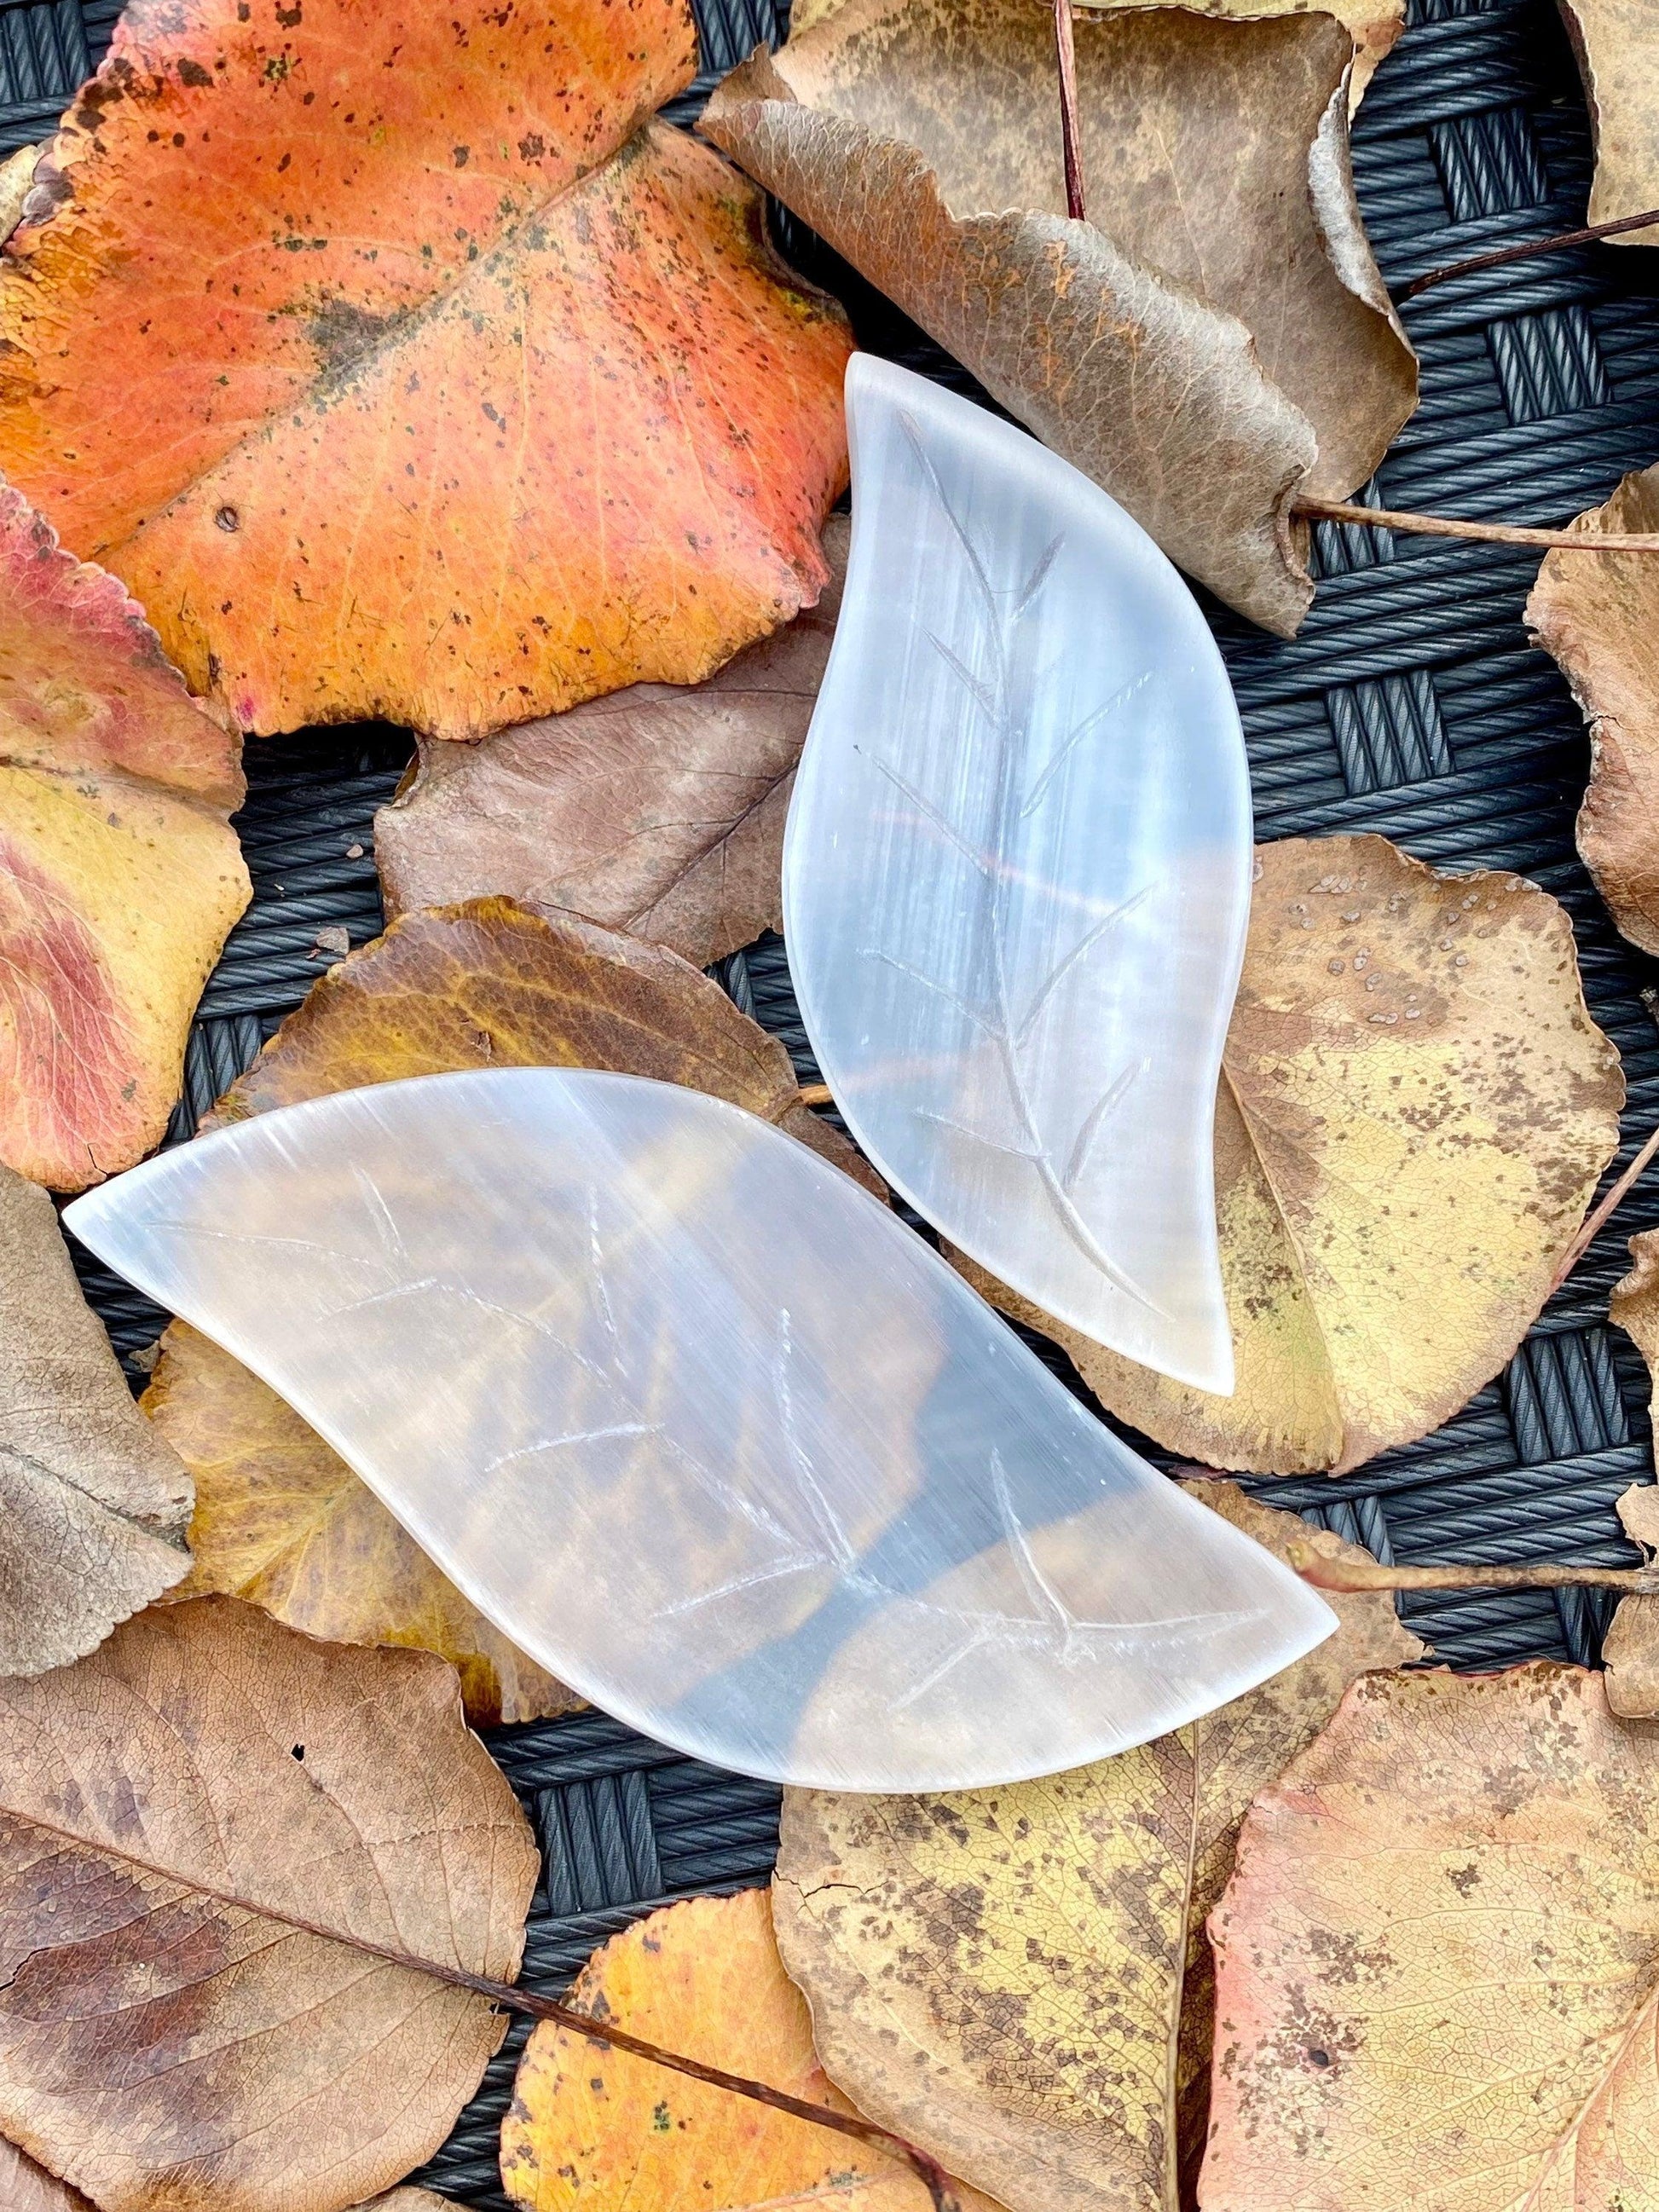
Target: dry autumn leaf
596,2127
403,367
207,1763
94,1505
1373,25
1215,340
1598,618
1617,43
658,810
997,1974
283,1522
1438,1959
119,873
1414,1111
488,984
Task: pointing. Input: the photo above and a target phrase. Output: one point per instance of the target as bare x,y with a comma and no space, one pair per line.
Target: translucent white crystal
705,1428
1017,873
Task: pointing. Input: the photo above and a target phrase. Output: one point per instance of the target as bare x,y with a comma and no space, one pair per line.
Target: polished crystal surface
705,1428
1017,876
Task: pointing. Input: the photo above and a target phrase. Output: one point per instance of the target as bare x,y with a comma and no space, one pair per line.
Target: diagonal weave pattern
1411,704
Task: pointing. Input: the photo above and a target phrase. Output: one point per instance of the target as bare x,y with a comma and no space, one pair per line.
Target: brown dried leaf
488,984
658,810
1215,340
1599,617
94,1505
1437,1959
994,1972
282,1522
1373,25
206,1754
1617,43
1414,1112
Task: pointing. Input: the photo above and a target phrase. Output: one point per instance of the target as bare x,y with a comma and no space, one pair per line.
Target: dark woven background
1411,704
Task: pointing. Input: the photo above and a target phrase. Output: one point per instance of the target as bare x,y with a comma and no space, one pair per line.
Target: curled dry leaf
1414,1111
1438,1959
94,1505
658,810
596,2127
308,291
1617,43
120,873
997,1974
1217,338
283,1522
1630,1650
1374,25
1601,620
161,2042
488,984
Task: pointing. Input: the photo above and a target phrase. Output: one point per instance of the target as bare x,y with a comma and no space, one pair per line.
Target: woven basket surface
1411,704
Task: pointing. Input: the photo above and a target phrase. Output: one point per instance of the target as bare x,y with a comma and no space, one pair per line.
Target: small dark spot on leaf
228,519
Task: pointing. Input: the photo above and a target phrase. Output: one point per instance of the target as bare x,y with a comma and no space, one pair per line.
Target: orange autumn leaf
595,2127
120,873
402,367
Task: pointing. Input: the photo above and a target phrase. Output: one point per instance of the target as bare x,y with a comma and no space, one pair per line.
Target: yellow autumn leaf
1018,1978
597,2127
1415,1108
283,1522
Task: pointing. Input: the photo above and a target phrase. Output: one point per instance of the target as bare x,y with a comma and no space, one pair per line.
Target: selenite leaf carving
1017,874
705,1428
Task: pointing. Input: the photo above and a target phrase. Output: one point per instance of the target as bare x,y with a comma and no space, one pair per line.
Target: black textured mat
1411,704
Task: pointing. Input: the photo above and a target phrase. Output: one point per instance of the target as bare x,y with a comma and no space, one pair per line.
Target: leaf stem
511,1998
1070,138
1351,1575
1485,534
815,1094
1557,243
1598,1220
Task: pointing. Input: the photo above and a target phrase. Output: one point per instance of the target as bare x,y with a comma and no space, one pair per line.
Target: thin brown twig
511,1998
1557,243
1330,1574
1598,1221
1070,139
1488,533
815,1094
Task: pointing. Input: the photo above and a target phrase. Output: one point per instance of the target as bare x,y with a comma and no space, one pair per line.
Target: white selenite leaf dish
1017,874
705,1428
